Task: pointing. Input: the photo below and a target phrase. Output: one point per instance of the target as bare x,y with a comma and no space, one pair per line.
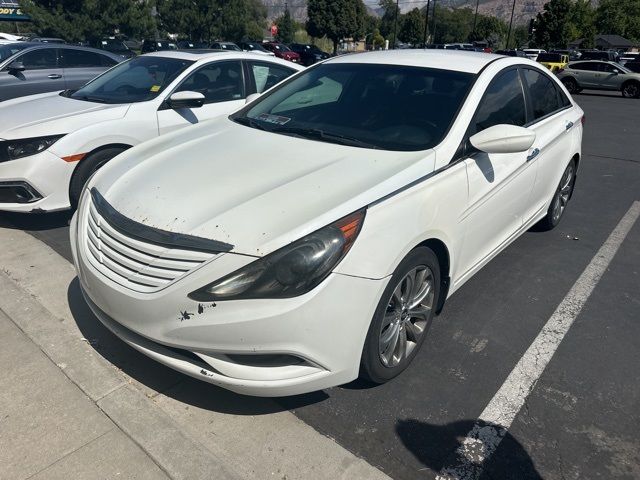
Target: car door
586,73
500,185
612,77
264,75
80,66
223,85
41,74
551,118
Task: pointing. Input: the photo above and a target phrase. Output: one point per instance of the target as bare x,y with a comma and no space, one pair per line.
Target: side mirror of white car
186,100
252,97
503,139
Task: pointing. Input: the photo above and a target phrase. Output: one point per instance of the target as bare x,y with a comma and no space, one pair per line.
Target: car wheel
403,317
87,167
560,198
571,85
631,90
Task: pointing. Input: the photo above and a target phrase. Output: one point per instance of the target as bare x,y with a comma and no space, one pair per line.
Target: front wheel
87,167
403,317
631,90
560,198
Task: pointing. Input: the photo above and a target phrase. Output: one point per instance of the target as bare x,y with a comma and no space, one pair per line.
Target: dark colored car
309,54
30,68
149,46
225,46
626,57
511,53
191,45
633,66
605,56
254,47
115,46
47,40
282,51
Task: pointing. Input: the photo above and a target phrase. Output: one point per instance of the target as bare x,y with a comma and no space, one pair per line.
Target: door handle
569,125
533,154
54,76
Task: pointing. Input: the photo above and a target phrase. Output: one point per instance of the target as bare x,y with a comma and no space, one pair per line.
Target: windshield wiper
91,98
318,134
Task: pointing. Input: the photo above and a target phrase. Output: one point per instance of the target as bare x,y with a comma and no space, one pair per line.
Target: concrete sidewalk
66,411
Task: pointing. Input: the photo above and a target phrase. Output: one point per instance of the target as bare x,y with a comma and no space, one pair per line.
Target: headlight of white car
25,147
290,271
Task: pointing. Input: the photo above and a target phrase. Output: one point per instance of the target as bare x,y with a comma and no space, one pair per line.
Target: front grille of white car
136,264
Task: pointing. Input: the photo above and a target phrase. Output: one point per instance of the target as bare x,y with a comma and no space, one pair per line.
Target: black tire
560,200
571,85
631,89
413,329
87,167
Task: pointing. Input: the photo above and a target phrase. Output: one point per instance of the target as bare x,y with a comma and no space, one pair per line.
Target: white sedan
312,236
50,144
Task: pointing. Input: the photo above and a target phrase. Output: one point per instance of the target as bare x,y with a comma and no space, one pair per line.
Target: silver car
30,68
600,75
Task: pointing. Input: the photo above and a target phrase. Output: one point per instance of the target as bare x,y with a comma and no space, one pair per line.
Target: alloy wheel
564,193
406,316
631,90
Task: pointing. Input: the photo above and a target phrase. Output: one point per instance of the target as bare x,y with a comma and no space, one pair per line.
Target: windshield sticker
155,88
274,119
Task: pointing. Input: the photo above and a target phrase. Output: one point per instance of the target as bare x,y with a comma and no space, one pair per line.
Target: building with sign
10,12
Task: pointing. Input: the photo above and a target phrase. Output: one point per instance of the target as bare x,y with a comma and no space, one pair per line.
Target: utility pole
513,8
426,23
475,19
395,25
434,21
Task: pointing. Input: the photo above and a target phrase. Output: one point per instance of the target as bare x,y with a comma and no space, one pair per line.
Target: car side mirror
503,139
17,66
252,97
186,99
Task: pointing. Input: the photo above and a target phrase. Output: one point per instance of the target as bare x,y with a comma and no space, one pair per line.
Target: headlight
25,147
291,271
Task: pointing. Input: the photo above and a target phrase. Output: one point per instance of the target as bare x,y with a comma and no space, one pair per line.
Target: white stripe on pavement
495,420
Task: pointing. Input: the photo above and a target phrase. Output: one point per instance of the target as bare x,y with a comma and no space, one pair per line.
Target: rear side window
39,59
503,103
266,76
84,59
589,67
218,82
542,92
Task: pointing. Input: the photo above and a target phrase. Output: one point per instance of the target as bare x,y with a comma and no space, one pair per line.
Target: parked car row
276,230
600,75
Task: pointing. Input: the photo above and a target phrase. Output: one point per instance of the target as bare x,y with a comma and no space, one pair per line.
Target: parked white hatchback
50,144
313,235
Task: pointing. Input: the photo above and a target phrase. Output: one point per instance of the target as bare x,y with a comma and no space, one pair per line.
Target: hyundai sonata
312,236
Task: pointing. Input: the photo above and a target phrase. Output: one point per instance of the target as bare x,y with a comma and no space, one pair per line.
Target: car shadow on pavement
435,447
166,381
34,222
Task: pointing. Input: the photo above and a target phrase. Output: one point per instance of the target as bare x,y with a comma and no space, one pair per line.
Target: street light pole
513,8
475,19
395,25
434,21
426,23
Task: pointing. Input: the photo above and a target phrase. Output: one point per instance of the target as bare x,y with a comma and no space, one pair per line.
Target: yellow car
553,61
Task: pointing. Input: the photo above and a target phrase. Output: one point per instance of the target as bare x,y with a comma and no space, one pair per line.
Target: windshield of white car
388,107
137,80
11,49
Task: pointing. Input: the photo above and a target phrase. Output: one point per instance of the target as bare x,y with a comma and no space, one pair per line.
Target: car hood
252,189
52,114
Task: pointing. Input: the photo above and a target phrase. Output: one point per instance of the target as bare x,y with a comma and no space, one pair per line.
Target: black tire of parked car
631,89
87,167
563,194
371,366
571,85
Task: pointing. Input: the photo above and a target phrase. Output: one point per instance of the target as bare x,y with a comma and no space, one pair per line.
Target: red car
282,51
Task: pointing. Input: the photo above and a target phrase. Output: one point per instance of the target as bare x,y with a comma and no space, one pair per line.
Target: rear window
549,57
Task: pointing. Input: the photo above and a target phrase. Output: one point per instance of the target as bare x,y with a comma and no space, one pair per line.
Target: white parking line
495,420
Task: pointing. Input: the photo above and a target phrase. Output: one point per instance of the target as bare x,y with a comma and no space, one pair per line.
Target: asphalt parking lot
581,419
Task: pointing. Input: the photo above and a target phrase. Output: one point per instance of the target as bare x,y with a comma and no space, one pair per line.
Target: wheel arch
444,261
124,147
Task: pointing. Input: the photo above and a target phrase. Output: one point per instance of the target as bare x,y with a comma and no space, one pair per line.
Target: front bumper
45,175
254,347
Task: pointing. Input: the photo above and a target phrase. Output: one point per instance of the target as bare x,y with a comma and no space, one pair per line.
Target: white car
312,236
50,144
533,53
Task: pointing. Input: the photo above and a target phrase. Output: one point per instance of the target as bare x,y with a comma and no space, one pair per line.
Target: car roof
196,55
39,45
455,60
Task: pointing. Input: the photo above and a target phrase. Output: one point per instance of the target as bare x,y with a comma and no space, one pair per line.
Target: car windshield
229,46
136,80
11,49
387,107
114,46
256,46
279,46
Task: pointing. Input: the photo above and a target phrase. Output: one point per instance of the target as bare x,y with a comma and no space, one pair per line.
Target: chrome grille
138,265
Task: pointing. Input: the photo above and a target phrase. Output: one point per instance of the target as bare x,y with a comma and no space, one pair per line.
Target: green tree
286,27
194,19
553,27
520,36
388,20
337,19
619,17
582,22
241,20
76,20
491,29
412,27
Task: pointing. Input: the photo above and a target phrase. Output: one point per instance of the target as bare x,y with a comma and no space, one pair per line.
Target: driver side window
40,59
503,103
218,82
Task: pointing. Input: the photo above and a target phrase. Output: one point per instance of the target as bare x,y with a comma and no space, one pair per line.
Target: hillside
525,9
